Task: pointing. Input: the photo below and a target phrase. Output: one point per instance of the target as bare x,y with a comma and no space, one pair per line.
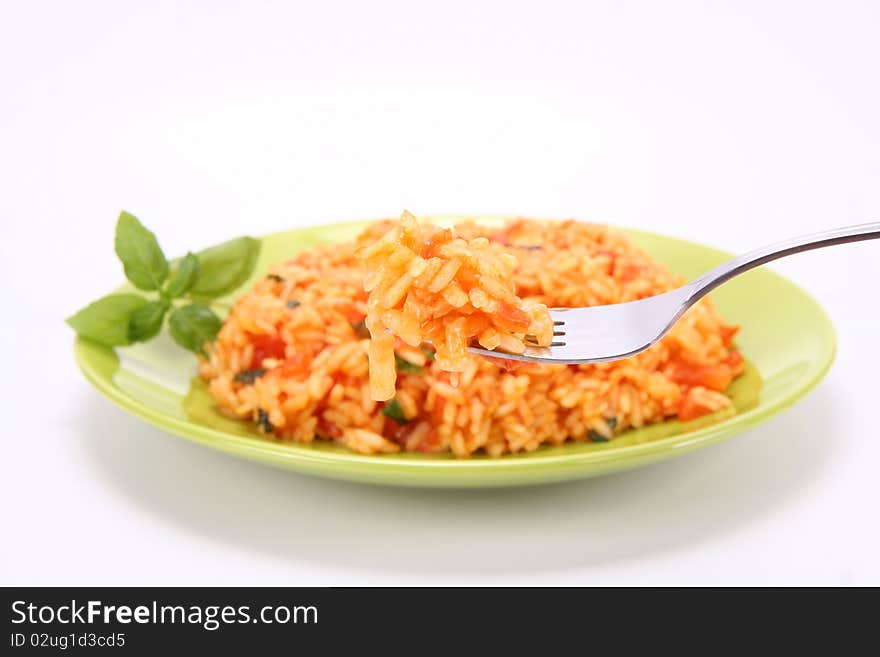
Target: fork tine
602,333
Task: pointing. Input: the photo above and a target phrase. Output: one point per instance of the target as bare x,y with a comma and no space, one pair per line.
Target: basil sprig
185,288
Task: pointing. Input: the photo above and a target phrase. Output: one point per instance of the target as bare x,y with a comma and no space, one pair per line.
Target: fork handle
723,273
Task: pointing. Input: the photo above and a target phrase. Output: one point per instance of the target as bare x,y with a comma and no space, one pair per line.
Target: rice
296,357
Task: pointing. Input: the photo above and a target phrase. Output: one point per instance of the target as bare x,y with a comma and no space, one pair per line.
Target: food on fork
426,285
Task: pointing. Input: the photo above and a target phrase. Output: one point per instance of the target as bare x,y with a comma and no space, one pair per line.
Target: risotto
364,343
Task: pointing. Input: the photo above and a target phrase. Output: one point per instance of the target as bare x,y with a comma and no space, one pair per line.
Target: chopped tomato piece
728,333
714,377
717,377
267,346
690,410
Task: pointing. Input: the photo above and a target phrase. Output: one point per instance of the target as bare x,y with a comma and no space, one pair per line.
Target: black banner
410,621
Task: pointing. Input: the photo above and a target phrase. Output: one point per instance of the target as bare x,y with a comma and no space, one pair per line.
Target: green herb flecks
293,303
186,288
597,437
393,410
263,421
429,353
249,376
406,367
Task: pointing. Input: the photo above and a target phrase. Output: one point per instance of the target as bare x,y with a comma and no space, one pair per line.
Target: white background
733,124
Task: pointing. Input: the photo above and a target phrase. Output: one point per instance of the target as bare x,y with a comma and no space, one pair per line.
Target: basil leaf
106,320
185,276
405,367
393,410
193,325
145,264
225,267
146,321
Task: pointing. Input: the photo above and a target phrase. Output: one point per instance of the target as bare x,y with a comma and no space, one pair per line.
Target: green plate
786,337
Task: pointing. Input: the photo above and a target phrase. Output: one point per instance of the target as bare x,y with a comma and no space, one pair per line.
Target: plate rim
294,454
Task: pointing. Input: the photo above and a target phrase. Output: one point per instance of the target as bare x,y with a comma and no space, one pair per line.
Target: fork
603,333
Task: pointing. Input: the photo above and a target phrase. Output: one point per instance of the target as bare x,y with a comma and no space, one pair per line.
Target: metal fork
612,332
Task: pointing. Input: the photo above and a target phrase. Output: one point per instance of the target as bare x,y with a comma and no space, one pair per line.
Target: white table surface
733,124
